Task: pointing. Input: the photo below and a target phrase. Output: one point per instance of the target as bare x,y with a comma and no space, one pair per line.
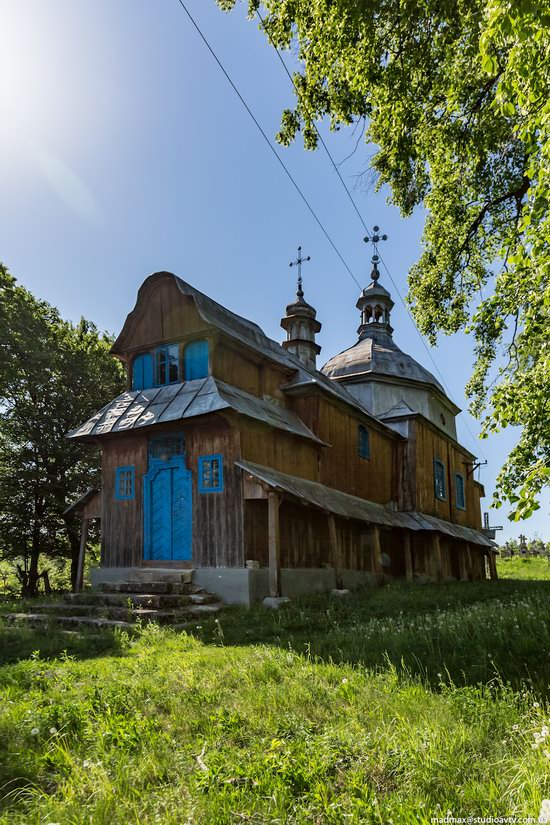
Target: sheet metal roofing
353,507
245,332
378,354
161,405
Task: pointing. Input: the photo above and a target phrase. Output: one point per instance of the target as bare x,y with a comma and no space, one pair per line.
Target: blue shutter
196,360
142,372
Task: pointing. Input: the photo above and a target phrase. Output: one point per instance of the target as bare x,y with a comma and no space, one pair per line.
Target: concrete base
275,602
238,585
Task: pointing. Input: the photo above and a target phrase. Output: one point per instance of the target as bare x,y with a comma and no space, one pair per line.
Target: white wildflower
35,731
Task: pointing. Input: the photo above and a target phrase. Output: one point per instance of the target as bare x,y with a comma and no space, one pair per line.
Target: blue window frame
439,480
459,492
363,446
210,473
167,365
142,371
196,360
125,483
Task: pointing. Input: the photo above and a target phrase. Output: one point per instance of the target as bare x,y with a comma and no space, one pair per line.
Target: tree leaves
457,95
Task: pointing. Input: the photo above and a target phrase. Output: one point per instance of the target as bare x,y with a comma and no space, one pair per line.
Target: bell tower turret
300,323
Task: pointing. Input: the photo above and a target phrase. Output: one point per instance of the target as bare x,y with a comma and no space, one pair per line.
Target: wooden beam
376,552
274,539
335,551
437,559
492,565
469,568
81,556
462,551
408,556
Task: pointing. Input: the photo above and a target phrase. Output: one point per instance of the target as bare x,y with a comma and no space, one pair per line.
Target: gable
162,314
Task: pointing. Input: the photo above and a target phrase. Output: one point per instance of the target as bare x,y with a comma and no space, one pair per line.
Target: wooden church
238,458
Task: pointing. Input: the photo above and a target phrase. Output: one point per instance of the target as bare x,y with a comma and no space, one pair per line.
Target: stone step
102,616
157,588
150,600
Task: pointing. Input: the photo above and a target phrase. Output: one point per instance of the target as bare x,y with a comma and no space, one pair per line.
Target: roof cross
375,239
298,262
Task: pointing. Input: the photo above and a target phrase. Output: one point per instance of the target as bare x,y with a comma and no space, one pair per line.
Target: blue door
167,511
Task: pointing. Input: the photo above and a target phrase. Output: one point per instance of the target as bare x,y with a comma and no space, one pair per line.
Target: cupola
300,323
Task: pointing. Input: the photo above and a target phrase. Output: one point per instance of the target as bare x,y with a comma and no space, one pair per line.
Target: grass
393,706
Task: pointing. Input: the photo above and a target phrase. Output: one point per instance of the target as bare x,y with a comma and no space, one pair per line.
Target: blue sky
123,151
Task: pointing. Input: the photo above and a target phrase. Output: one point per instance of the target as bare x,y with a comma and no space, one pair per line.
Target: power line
296,186
267,140
365,227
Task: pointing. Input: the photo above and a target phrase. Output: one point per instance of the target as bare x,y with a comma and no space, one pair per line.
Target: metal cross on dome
375,239
298,262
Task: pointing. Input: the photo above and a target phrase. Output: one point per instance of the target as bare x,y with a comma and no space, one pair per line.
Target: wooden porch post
469,568
335,551
436,545
274,538
463,562
492,565
81,555
376,553
408,556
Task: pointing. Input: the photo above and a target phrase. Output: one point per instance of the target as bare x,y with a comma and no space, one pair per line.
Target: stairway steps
122,604
155,600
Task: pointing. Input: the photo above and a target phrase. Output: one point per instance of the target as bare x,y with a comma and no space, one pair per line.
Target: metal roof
161,405
245,332
377,353
359,509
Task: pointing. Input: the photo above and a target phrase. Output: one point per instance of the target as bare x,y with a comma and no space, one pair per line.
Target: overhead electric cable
296,186
365,227
267,140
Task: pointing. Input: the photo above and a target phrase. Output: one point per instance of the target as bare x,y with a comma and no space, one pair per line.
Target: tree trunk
32,583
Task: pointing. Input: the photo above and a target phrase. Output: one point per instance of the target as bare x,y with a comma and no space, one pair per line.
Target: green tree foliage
455,94
53,374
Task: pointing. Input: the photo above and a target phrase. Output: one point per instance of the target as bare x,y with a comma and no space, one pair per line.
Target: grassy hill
392,706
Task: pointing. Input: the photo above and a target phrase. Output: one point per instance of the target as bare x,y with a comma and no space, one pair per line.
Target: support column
81,556
408,556
462,562
376,552
274,539
492,565
436,554
469,567
335,551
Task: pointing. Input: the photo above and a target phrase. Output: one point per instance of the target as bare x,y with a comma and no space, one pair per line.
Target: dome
380,375
378,354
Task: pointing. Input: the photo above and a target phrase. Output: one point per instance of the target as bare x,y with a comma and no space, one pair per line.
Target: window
125,483
196,360
459,492
165,448
439,480
167,365
363,447
142,371
210,474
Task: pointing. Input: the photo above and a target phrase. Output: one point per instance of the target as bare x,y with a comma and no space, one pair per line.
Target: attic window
363,446
167,365
439,480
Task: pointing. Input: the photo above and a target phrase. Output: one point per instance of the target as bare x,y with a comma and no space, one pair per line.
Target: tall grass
393,706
